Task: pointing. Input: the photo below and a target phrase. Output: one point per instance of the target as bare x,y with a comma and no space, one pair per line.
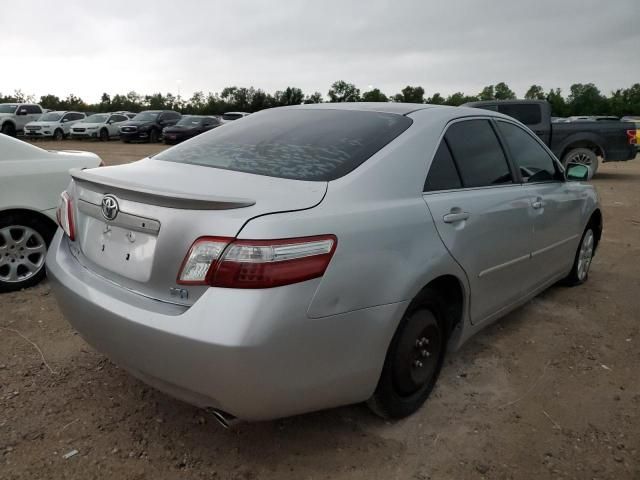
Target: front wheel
153,136
104,135
582,156
58,135
580,270
8,129
413,361
23,247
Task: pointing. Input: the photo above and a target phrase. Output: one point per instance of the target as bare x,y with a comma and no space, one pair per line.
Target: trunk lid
160,209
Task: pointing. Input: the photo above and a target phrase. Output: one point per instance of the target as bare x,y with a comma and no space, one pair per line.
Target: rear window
299,144
527,114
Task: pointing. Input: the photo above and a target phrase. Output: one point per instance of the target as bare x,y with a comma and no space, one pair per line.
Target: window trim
515,176
558,166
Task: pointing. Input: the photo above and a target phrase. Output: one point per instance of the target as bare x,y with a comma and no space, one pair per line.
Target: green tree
586,99
410,94
436,99
535,92
73,103
315,97
558,104
459,98
487,93
290,96
503,92
342,91
374,95
50,102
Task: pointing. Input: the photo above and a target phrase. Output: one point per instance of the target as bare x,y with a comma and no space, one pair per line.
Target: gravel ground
550,391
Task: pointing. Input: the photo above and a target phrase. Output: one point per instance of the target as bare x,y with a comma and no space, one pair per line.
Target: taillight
633,136
222,262
64,214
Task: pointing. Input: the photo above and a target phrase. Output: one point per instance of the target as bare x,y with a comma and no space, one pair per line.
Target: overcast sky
91,47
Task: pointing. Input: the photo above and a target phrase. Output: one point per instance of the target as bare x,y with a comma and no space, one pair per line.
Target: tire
153,136
104,135
58,135
24,240
126,141
414,359
582,261
583,156
8,129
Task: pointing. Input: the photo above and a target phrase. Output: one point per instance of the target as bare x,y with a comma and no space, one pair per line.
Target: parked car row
33,121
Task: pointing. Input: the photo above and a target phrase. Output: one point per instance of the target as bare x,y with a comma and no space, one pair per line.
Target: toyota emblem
109,207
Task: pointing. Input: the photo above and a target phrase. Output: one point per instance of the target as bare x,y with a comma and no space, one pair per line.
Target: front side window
299,144
478,154
443,174
533,161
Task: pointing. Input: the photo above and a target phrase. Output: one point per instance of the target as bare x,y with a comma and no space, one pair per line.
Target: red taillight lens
633,136
257,263
64,214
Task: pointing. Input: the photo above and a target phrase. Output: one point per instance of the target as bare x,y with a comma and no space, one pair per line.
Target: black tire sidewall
58,134
44,227
388,403
153,136
573,279
104,135
8,129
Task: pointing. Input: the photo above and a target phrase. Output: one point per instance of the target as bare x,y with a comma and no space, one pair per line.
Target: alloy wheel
22,253
585,255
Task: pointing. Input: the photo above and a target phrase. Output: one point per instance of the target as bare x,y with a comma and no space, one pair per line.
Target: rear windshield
299,144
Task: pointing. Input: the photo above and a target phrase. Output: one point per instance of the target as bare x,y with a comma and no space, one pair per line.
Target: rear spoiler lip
162,198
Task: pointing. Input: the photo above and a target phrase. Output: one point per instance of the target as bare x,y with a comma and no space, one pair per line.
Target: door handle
538,203
455,217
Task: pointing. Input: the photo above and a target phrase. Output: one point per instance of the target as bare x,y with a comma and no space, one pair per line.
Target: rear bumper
252,353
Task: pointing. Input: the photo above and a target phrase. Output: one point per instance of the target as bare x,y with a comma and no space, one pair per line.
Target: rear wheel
8,129
582,156
58,134
104,135
23,247
414,359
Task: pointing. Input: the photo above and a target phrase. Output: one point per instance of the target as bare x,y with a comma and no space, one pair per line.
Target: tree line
582,99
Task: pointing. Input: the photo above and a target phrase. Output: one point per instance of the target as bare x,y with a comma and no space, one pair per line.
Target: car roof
384,107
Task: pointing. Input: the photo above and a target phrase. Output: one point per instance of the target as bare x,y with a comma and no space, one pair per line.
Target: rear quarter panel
388,248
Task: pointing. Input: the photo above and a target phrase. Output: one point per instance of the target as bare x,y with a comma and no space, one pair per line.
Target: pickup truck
572,142
14,116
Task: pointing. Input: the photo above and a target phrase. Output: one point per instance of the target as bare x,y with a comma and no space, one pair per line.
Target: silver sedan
315,256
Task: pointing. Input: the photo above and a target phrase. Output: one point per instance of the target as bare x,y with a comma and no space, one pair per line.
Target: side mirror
577,172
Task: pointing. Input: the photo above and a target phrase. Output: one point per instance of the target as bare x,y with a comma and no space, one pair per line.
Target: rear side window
478,154
299,144
443,174
33,109
527,114
533,161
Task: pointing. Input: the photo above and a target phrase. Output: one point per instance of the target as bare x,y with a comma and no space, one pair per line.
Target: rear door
555,204
482,215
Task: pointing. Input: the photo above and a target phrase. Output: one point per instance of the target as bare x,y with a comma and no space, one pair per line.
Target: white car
102,126
14,116
31,180
56,125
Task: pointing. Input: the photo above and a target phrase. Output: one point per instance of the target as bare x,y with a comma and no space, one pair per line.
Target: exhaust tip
226,420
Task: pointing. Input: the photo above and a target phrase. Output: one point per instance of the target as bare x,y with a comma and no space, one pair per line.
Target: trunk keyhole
103,247
128,256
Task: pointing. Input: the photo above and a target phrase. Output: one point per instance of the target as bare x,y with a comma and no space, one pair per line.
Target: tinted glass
146,116
442,173
478,154
33,109
534,162
231,116
50,117
300,144
118,118
527,114
8,108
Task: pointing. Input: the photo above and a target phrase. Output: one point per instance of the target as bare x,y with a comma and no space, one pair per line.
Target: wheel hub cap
22,253
585,255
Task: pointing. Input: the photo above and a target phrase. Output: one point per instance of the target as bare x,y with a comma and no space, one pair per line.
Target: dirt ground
551,391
